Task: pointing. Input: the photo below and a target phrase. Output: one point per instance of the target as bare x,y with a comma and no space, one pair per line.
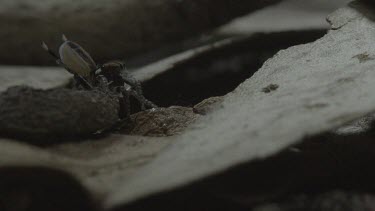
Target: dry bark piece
318,164
322,88
45,115
216,69
208,105
161,121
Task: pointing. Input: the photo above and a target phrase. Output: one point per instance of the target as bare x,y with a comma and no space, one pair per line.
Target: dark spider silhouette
111,77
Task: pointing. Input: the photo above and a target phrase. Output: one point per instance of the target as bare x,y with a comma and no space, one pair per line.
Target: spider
111,76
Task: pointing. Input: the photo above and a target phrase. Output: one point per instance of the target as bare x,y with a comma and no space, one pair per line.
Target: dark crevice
220,71
42,189
316,165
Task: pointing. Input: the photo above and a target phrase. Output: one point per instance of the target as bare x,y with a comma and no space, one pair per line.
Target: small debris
270,88
363,57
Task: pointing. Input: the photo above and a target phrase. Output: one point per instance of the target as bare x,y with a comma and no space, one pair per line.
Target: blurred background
144,31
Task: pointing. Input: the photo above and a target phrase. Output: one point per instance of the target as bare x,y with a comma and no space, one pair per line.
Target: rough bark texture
208,105
161,121
321,85
47,115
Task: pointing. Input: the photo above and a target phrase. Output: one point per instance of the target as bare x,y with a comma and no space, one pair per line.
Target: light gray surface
322,85
149,71
287,15
37,77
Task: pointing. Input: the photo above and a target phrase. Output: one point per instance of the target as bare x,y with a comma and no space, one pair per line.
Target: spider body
110,77
76,59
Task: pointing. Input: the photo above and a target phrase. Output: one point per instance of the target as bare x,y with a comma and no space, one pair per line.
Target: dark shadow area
369,2
42,189
316,165
364,7
220,71
53,140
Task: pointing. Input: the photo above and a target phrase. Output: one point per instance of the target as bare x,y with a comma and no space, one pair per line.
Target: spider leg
141,99
79,79
124,112
46,48
136,89
124,109
134,83
123,98
102,82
